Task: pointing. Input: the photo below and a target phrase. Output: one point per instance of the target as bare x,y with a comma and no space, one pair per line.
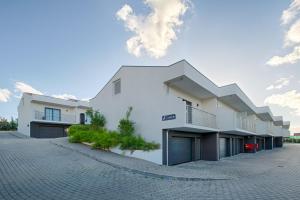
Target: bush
97,119
132,142
106,140
101,138
126,126
81,133
78,127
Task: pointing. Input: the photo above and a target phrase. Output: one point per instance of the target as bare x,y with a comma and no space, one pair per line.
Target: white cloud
293,35
155,32
85,99
64,96
23,87
4,95
290,58
280,83
289,14
290,99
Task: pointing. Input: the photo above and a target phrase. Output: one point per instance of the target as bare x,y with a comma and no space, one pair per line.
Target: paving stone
38,169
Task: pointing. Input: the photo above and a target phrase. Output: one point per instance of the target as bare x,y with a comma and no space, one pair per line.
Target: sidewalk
140,166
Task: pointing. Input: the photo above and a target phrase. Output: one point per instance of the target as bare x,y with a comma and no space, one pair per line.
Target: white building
47,117
187,114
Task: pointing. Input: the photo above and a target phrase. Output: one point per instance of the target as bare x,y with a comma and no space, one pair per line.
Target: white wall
144,90
24,116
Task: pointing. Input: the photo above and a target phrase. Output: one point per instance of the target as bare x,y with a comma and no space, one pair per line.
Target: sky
71,48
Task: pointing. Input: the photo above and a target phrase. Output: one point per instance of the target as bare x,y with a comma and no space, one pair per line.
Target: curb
135,171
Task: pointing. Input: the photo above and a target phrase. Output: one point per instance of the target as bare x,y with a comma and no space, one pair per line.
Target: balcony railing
199,117
245,123
38,115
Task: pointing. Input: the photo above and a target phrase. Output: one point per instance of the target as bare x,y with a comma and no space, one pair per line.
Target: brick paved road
37,169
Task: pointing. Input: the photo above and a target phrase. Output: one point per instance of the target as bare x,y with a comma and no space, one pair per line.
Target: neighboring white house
187,114
43,116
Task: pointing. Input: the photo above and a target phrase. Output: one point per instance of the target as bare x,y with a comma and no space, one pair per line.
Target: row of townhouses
176,106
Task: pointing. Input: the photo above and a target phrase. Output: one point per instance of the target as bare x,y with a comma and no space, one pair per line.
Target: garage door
234,149
259,142
180,150
238,145
223,149
40,130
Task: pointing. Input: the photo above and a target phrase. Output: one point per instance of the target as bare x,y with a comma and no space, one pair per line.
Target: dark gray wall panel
210,146
269,143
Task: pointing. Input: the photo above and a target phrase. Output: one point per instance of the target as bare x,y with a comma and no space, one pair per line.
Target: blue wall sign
168,117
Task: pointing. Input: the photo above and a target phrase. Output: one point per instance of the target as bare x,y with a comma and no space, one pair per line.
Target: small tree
97,119
13,124
4,124
126,126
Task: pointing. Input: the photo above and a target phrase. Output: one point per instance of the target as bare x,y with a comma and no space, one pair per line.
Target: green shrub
81,133
78,127
101,138
106,140
97,119
75,138
132,142
126,126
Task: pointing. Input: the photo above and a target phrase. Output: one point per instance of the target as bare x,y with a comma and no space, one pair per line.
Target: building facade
42,116
187,114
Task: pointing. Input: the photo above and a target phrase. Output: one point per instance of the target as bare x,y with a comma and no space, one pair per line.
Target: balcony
277,130
62,118
233,122
199,117
285,132
245,123
264,127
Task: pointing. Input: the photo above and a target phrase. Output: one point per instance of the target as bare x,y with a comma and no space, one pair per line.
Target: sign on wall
168,117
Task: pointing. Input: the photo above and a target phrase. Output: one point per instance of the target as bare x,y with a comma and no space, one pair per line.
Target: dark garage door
180,150
41,130
223,148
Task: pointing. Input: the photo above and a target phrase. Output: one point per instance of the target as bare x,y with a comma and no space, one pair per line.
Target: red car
251,147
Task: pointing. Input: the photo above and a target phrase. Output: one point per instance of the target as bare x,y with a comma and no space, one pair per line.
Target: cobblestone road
37,169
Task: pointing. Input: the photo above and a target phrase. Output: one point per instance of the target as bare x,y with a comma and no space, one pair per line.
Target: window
52,114
117,86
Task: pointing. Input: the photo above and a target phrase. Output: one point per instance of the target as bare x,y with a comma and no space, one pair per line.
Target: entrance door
82,118
189,112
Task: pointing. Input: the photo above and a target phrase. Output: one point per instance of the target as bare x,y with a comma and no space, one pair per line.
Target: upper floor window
52,114
117,86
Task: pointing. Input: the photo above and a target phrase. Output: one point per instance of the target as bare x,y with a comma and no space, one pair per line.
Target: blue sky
73,47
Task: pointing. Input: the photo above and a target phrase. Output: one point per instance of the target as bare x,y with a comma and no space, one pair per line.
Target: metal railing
38,115
199,117
245,123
